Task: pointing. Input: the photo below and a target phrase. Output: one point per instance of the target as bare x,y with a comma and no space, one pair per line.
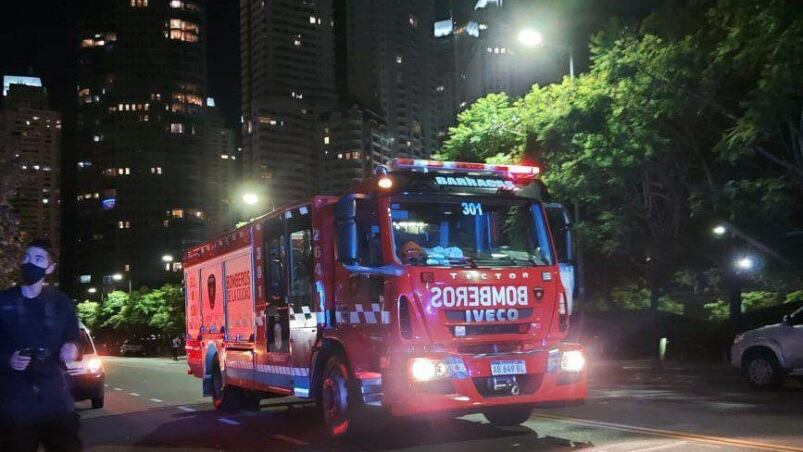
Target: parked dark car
138,347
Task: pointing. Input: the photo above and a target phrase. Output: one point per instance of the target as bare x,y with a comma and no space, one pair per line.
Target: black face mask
31,273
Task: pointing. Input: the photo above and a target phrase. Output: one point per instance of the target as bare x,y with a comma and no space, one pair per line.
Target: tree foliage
691,117
11,237
143,312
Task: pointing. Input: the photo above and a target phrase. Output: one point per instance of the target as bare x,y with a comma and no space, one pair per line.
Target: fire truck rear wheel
508,416
225,397
339,404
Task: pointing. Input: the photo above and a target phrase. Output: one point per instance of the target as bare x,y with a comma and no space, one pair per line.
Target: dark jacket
42,324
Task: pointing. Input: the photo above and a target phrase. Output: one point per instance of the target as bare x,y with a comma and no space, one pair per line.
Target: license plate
516,367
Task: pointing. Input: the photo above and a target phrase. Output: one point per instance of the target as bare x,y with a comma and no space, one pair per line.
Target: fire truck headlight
425,369
572,361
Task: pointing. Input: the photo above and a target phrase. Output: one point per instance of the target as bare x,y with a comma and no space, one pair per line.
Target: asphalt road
151,403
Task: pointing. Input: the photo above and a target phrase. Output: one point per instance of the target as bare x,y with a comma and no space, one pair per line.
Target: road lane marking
291,440
719,440
662,446
133,394
118,389
156,400
227,421
187,409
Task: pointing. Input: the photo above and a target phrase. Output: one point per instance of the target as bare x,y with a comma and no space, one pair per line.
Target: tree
663,135
89,313
145,311
11,237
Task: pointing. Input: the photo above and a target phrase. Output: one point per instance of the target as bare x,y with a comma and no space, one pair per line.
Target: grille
481,349
528,384
479,330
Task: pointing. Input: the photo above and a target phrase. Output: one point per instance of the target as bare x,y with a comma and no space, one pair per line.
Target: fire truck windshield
470,232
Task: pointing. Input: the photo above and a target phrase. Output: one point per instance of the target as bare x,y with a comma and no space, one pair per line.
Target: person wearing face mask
38,334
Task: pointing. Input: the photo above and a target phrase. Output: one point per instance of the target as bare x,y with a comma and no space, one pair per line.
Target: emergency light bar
425,166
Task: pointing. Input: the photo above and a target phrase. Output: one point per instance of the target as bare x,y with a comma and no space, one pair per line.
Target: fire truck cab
433,288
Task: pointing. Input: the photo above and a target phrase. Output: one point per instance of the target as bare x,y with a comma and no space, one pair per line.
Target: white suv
767,354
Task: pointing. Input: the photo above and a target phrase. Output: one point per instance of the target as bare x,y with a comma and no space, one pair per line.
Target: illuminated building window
326,140
356,155
193,99
127,267
182,30
139,3
177,213
399,59
176,128
413,21
312,19
177,266
124,224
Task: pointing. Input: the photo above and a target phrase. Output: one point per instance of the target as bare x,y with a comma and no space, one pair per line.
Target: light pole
532,38
119,277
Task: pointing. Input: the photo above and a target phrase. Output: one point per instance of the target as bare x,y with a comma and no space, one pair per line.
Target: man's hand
19,362
69,352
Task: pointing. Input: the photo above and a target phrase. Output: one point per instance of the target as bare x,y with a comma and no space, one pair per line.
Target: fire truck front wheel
225,397
508,416
339,403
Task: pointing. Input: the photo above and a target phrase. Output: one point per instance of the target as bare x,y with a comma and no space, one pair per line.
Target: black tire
508,416
762,370
97,402
225,397
341,407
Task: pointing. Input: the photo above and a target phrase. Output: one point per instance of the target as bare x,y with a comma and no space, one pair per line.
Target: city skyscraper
391,68
32,132
288,80
353,142
220,170
142,189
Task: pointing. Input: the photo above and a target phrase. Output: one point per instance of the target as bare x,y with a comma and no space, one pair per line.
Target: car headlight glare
93,365
425,369
572,361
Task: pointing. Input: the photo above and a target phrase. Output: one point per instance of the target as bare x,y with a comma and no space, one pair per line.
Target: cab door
273,367
302,310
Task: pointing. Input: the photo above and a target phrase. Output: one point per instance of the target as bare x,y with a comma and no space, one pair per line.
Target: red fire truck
432,288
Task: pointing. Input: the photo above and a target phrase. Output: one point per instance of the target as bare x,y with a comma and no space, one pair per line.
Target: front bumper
87,385
477,391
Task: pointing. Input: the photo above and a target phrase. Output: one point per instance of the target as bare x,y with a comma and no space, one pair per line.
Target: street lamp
92,290
117,277
250,198
719,230
167,258
744,263
530,38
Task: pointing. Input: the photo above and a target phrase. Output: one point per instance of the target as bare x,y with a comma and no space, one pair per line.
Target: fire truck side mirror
346,225
561,226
